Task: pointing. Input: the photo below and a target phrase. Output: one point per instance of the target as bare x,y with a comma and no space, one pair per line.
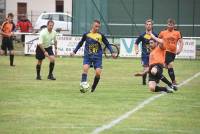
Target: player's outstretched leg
166,81
155,76
155,88
96,79
161,77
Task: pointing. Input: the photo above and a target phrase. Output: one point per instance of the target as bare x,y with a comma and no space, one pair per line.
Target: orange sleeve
2,26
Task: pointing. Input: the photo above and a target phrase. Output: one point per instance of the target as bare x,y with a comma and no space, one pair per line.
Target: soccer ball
84,87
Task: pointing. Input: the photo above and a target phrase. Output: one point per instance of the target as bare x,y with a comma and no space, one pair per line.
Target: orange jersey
157,56
7,27
170,39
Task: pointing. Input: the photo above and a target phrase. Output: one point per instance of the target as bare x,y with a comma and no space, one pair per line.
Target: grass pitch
28,106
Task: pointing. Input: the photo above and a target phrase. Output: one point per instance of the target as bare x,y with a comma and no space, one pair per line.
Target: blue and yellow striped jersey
93,44
144,38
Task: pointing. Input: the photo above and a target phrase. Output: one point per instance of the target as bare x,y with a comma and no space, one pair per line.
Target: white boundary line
138,107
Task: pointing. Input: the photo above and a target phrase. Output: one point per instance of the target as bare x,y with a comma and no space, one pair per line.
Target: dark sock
159,89
171,74
38,67
165,80
144,79
96,81
11,59
84,77
51,67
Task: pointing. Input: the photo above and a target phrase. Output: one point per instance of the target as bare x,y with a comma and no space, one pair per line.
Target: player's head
23,17
152,43
10,17
170,24
96,26
149,24
50,25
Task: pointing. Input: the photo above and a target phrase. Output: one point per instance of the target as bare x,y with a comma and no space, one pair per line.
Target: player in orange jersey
174,45
7,37
156,64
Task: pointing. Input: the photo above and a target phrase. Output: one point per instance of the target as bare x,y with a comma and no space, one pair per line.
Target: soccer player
156,63
93,52
172,38
7,41
47,38
144,38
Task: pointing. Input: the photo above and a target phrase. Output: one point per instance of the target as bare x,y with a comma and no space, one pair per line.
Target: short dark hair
50,21
152,40
171,21
97,21
10,15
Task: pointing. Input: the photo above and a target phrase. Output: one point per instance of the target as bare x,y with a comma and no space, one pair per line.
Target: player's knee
154,71
85,69
170,65
98,73
1,52
52,59
39,62
151,87
11,52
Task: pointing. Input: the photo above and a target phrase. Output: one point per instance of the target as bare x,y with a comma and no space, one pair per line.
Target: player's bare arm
156,38
136,49
180,48
42,48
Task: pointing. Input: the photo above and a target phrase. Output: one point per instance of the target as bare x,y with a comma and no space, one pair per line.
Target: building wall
2,10
36,7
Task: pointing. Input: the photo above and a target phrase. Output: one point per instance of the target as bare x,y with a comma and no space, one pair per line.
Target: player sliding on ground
156,63
92,53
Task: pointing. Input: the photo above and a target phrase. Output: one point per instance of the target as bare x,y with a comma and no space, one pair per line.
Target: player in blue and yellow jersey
144,38
93,52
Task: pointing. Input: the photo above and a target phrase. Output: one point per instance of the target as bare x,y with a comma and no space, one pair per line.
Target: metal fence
112,39
31,15
127,17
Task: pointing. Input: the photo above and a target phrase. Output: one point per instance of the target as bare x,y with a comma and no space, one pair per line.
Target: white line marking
138,107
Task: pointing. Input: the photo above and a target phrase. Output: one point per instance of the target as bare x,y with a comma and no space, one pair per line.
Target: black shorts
7,43
156,78
169,57
40,54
